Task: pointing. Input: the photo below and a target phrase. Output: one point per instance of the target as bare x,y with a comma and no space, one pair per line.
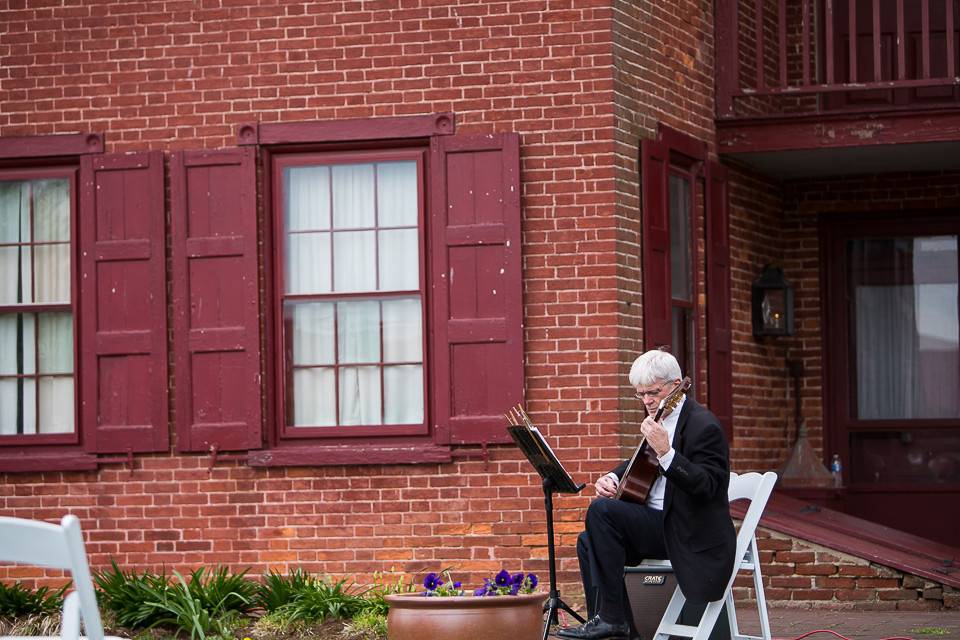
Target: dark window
682,250
685,206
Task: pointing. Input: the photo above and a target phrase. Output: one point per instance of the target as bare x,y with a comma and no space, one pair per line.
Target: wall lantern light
772,304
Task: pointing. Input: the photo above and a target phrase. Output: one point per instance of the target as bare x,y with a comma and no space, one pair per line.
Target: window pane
359,395
56,404
52,273
402,330
17,354
15,275
353,196
403,394
915,456
358,331
683,344
354,261
681,286
55,342
905,298
314,398
308,263
18,404
397,194
14,212
307,198
312,332
51,210
399,260
9,392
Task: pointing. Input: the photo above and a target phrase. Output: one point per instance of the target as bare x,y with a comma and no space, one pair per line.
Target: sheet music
538,452
549,452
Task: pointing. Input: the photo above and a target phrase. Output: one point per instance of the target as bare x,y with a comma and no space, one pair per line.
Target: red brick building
272,272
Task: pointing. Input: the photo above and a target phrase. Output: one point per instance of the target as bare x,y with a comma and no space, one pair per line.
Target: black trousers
617,534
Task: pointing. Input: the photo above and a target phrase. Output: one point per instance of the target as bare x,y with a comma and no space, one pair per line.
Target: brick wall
582,82
802,574
175,75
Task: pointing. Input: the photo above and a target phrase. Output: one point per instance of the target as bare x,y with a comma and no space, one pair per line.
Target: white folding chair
756,488
58,546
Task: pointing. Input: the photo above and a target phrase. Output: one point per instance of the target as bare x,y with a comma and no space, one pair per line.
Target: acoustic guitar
643,468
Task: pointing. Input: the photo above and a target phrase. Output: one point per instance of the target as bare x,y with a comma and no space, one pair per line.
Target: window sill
349,454
33,463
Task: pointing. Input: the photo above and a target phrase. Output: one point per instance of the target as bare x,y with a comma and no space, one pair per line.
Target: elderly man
686,517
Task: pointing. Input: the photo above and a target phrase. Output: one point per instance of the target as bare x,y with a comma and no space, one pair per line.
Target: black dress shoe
596,629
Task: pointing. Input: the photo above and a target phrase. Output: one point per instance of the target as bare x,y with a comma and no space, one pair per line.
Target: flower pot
415,617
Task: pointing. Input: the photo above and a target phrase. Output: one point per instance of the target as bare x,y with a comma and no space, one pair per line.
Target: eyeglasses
652,393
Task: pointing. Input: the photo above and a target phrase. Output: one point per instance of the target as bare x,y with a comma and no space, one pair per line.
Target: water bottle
836,470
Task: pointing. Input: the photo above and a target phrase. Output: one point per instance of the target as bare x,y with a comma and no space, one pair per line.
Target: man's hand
656,435
606,486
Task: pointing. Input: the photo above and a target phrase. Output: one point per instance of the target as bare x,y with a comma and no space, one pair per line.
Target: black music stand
555,479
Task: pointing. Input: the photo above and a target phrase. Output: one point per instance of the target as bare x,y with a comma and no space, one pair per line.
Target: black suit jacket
698,531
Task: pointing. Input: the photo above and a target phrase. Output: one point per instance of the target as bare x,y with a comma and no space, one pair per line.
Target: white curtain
39,262
397,194
315,400
51,220
15,259
886,352
358,341
308,230
398,260
907,335
368,241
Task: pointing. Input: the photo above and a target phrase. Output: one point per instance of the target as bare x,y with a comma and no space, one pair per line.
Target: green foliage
375,599
931,631
181,607
18,600
368,624
278,589
208,604
323,599
129,595
221,591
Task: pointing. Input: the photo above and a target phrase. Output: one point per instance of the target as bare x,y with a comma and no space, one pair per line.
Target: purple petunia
431,582
517,578
503,578
532,577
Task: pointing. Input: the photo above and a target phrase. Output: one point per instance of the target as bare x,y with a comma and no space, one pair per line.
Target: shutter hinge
483,453
126,460
215,455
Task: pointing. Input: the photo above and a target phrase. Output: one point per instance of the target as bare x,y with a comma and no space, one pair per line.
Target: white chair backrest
34,542
57,547
756,488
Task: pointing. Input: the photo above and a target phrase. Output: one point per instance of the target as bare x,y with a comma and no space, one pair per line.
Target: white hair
654,366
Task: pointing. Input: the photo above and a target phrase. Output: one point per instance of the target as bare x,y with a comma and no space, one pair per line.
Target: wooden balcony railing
778,57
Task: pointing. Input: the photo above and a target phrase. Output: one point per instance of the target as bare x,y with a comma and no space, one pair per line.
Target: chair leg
710,616
70,625
732,616
670,615
761,598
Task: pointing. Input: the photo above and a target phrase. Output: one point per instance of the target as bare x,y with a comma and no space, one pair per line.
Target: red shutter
719,362
216,324
477,309
654,164
123,323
